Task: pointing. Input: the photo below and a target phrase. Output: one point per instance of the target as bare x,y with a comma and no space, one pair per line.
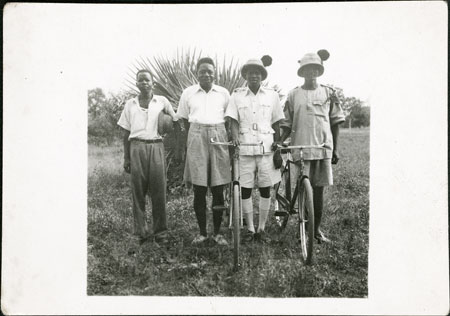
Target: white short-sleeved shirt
310,116
198,106
143,123
256,113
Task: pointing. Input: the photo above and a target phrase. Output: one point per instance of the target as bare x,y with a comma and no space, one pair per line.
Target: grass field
117,265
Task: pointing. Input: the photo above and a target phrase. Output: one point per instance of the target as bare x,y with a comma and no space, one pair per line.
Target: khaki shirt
255,114
310,118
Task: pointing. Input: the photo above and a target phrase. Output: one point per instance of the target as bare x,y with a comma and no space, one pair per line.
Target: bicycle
302,196
233,204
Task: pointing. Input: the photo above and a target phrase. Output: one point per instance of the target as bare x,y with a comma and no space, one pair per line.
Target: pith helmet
313,59
261,64
165,123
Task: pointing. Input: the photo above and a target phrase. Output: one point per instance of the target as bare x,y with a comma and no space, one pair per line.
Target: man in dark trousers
144,156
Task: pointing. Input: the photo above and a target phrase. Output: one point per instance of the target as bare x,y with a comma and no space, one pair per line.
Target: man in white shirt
255,113
202,108
144,156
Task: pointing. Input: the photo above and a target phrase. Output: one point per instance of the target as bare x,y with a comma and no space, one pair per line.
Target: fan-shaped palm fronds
173,75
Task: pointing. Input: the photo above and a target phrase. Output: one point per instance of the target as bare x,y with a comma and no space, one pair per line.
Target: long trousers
148,176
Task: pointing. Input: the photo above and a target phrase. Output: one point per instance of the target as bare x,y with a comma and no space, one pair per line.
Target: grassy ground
117,265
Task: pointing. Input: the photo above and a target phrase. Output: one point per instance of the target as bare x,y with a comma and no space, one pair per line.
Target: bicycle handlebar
213,142
301,146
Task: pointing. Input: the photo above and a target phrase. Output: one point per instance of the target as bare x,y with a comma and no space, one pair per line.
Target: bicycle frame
288,201
235,214
303,194
235,175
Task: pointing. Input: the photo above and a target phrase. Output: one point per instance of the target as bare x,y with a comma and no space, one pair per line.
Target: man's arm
286,124
276,128
126,151
186,125
234,132
335,132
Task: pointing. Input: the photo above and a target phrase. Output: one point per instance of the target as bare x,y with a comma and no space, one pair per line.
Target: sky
359,36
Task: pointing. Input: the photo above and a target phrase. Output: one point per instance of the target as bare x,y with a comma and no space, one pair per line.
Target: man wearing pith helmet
313,114
255,112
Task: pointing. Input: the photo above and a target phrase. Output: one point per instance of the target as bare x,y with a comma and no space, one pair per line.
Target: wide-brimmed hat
261,64
316,59
165,123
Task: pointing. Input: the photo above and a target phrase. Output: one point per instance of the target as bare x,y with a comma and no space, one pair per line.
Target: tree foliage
103,114
173,75
357,114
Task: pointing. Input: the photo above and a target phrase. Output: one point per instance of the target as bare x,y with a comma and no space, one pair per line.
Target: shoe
320,237
260,236
248,236
199,240
220,240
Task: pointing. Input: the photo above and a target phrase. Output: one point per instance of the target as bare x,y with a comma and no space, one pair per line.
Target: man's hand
235,142
126,166
277,143
335,158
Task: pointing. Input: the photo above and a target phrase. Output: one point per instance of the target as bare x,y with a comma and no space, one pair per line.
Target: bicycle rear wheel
306,219
236,219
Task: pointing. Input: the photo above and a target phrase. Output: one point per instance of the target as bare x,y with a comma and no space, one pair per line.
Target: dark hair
205,60
142,71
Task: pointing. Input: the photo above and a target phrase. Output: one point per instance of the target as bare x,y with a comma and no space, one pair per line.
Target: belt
148,141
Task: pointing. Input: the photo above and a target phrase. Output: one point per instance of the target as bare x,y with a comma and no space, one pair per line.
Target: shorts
206,164
261,167
319,172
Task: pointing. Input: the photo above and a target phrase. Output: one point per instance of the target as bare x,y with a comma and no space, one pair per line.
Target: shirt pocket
244,112
267,112
319,108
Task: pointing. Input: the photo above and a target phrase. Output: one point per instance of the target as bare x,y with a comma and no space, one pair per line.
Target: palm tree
173,75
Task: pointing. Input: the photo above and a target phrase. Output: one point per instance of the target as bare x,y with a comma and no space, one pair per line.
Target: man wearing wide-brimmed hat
313,114
255,113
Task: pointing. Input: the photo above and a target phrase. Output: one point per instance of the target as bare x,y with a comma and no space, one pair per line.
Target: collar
213,87
154,99
260,90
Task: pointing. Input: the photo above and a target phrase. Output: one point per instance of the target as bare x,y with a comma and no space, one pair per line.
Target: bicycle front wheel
306,219
236,224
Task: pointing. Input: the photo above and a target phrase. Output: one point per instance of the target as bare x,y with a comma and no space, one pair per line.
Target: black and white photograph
245,158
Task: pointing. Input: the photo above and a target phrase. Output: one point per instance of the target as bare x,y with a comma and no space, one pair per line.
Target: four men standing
311,117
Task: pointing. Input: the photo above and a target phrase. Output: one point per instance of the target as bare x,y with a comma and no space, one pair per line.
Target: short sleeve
232,110
277,111
124,120
337,114
183,107
227,99
288,112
